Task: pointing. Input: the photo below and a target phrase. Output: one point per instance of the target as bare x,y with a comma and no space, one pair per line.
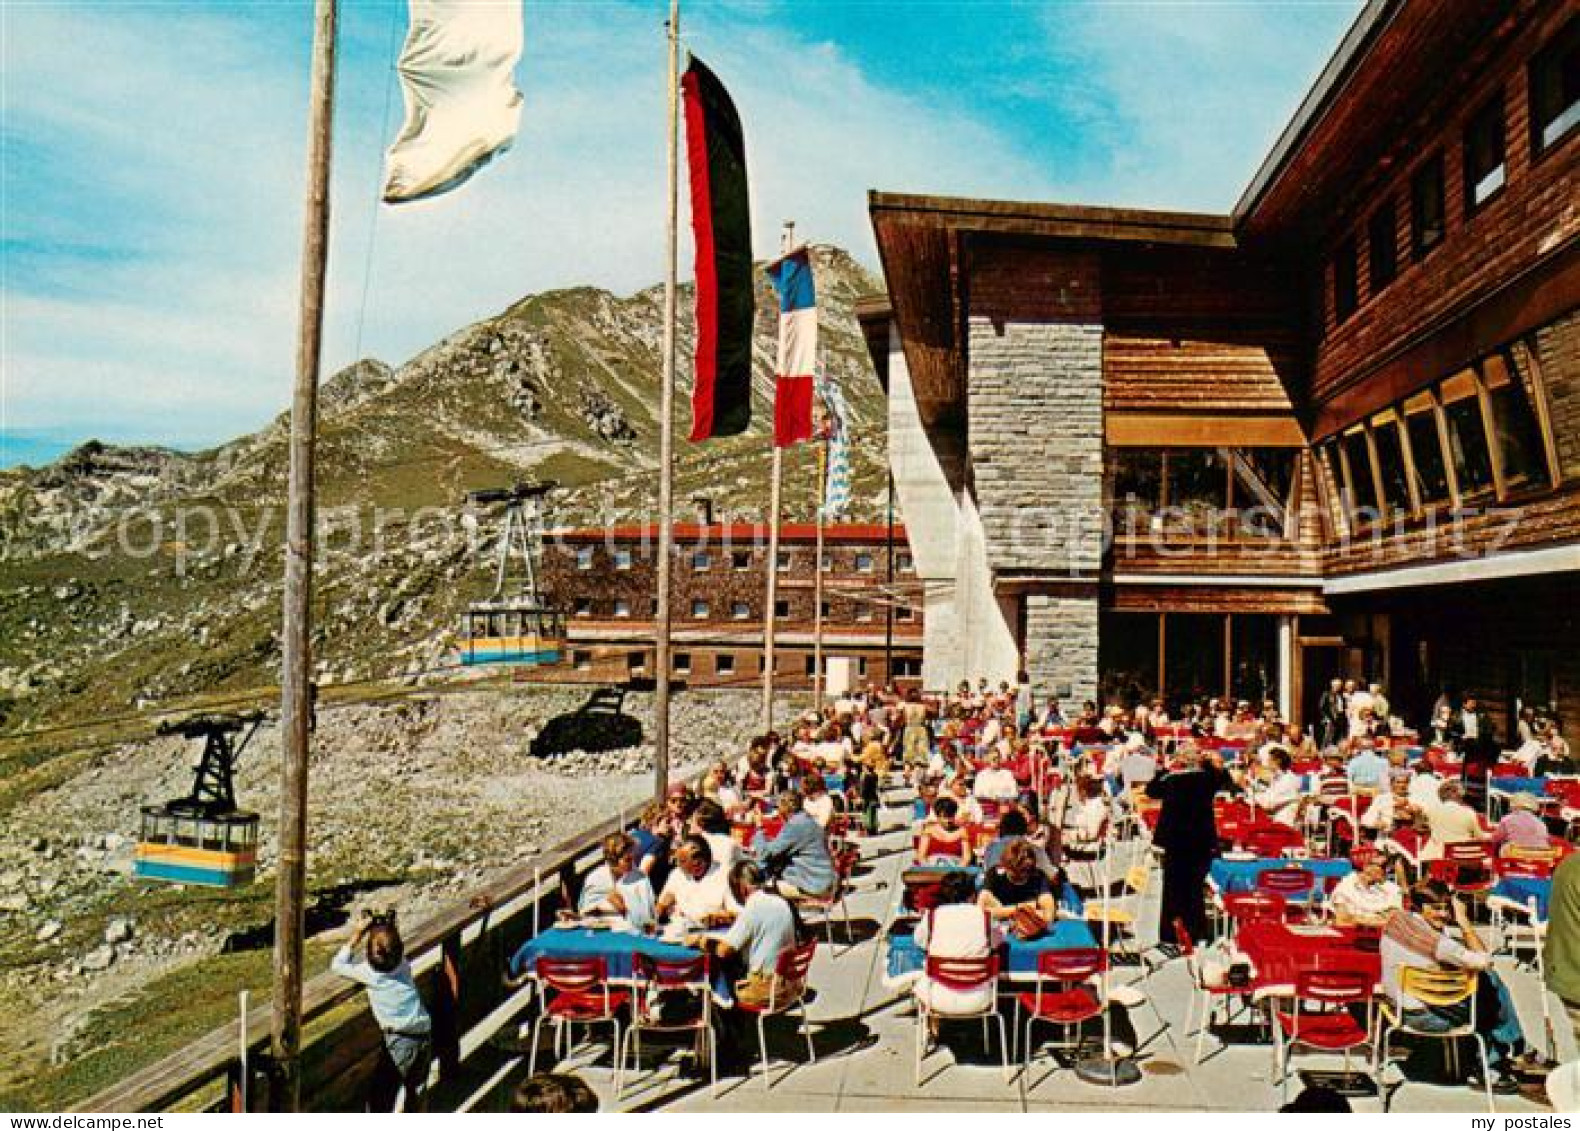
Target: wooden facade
1388,321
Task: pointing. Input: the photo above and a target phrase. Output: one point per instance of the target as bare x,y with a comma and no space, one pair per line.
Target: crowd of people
1024,802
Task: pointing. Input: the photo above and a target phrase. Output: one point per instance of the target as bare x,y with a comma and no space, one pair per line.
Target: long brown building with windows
1336,432
604,580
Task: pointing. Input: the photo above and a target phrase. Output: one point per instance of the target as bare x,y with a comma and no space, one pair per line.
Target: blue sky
152,167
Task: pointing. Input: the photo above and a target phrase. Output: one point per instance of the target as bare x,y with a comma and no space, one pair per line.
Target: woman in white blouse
956,928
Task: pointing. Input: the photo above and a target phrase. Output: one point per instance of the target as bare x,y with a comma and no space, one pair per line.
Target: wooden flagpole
666,418
290,885
775,491
817,579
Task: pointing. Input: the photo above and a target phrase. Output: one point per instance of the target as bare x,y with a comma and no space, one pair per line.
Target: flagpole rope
373,219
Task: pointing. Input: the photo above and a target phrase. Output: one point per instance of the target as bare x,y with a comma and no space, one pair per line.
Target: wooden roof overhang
921,245
1386,74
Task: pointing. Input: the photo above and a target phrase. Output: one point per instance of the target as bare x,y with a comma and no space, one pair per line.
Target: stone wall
1036,405
1061,646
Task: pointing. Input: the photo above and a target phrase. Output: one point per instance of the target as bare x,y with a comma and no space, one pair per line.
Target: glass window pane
1427,217
1467,442
1514,425
1484,171
1345,288
1127,662
1198,488
1263,479
1382,246
1362,487
1136,483
1390,462
1254,659
1426,449
1555,88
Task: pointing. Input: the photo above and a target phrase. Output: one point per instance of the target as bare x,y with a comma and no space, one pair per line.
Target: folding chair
660,980
582,996
1321,1016
788,991
1438,989
1069,1003
961,975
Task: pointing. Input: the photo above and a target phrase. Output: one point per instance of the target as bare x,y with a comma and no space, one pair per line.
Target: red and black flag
721,399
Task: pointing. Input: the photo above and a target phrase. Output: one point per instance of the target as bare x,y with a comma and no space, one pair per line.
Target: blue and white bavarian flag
836,488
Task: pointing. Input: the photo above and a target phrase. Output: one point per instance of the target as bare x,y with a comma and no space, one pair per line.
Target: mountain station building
1335,432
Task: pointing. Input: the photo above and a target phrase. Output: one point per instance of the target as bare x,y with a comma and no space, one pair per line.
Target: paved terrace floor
864,1034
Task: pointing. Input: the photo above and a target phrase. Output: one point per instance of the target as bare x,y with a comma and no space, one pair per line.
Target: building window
636,663
1359,486
1382,246
781,608
904,613
740,610
825,610
863,612
724,665
1345,288
906,667
1555,89
861,665
1426,449
1137,475
1484,158
1467,437
681,662
863,563
1428,221
584,557
741,560
1514,427
622,607
811,665
1263,479
1395,479
783,561
652,607
701,561
582,660
622,559
582,607
1198,488
699,609
903,562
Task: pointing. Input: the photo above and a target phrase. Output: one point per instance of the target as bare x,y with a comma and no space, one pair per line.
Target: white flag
462,105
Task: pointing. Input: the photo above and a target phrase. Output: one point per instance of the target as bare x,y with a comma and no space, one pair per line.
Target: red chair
1321,1016
1255,907
1297,887
1209,996
671,981
961,975
581,997
1069,1002
845,860
788,992
1467,867
1270,841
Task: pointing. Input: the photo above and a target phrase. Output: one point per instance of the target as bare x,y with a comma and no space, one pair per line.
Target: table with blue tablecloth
1522,889
906,961
616,948
1512,785
1236,877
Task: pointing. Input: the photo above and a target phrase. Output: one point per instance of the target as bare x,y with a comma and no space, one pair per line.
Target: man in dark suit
1188,835
1331,715
1475,739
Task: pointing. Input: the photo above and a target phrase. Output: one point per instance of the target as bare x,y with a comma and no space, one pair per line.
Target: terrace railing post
447,1008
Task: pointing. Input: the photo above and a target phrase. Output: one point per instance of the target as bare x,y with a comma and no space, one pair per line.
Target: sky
151,167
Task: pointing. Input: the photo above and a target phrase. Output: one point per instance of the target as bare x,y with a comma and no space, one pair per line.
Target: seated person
698,891
652,845
816,799
765,929
1137,765
956,928
1366,897
994,782
1280,798
1017,886
967,808
709,822
944,839
1421,938
1556,757
754,771
1424,784
1015,825
1451,822
1367,769
1389,809
1522,826
799,855
617,886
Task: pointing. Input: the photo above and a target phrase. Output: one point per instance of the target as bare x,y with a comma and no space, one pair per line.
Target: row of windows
1471,436
702,609
1233,491
1553,79
742,560
728,663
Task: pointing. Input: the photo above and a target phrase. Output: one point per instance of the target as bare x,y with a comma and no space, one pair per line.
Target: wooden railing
459,957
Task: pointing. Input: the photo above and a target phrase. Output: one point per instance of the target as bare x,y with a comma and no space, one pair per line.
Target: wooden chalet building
1334,432
604,580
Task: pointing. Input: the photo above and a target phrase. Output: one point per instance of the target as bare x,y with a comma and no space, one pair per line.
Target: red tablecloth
1279,952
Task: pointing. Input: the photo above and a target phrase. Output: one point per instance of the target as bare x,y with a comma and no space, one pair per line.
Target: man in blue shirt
799,854
1368,770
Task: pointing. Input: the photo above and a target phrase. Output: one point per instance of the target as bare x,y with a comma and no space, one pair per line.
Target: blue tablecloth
1520,889
1235,877
616,948
1020,957
1538,786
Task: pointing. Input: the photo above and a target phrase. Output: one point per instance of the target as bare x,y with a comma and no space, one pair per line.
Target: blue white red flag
836,484
793,380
